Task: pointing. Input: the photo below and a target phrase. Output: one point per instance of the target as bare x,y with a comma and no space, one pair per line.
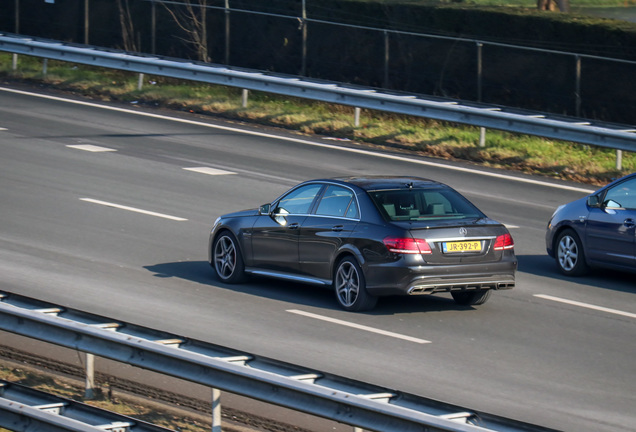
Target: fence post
227,32
153,28
386,59
86,22
14,61
577,89
303,24
482,130
216,410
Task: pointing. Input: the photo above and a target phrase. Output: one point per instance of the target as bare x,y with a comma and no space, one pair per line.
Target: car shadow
301,294
545,266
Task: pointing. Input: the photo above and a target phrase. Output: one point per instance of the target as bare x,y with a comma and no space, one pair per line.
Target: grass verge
399,133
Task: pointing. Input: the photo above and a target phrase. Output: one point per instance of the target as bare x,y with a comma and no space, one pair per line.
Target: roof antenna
409,185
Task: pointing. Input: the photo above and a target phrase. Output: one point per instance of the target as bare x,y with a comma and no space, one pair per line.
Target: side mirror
264,209
594,201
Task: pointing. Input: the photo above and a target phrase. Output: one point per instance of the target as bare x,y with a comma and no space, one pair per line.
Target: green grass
392,132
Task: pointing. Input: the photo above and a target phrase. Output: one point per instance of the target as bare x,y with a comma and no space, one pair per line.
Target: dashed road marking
586,305
358,326
133,209
91,148
209,171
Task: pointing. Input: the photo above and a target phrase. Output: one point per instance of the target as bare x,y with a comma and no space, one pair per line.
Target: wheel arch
345,251
557,233
215,233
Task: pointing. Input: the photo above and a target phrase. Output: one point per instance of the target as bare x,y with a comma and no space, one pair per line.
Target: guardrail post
482,137
216,410
90,376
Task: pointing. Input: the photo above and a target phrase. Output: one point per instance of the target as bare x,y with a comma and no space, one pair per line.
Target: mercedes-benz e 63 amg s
368,237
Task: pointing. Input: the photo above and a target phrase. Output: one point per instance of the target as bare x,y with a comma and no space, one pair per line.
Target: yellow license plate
461,246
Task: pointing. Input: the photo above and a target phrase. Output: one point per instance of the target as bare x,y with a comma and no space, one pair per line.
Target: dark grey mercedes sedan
368,237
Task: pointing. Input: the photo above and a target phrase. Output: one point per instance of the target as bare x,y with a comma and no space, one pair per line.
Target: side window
623,195
299,200
339,202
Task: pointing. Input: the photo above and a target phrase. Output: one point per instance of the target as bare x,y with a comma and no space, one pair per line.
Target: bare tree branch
127,28
191,18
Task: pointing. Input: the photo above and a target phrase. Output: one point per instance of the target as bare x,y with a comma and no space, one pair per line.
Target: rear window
424,204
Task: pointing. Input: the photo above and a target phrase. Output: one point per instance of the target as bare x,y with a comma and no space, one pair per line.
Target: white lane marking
587,305
358,326
91,148
209,171
3,129
511,226
297,140
132,209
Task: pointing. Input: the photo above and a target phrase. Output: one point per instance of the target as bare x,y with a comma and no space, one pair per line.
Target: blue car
596,231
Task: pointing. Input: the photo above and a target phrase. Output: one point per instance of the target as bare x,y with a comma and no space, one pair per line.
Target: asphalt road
123,233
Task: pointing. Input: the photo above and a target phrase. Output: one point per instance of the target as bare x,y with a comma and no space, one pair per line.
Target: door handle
629,223
337,228
293,226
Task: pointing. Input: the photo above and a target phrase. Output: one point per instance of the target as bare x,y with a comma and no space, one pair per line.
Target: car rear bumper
499,282
423,280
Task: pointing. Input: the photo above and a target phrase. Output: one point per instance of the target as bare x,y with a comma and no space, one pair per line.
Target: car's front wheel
570,257
350,286
227,259
472,298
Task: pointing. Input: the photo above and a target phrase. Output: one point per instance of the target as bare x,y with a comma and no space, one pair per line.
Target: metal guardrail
620,137
25,409
325,395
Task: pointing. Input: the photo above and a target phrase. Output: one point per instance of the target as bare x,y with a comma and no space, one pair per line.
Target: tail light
504,242
407,245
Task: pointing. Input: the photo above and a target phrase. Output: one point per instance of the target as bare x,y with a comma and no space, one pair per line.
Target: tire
471,298
227,260
350,287
569,256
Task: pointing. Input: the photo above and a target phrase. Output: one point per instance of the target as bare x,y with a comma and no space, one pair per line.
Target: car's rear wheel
472,298
227,259
570,257
350,286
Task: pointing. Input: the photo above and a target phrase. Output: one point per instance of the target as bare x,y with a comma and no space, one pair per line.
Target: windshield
424,204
